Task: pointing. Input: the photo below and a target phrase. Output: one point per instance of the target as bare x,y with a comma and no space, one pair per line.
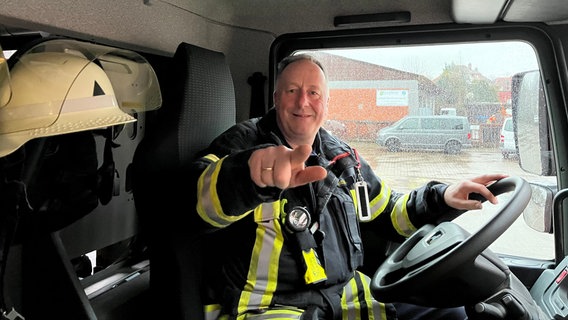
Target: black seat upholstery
198,104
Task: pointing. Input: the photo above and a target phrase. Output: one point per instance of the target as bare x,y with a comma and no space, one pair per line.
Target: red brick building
367,97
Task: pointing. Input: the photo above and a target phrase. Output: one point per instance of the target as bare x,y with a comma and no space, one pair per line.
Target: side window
432,124
455,124
410,124
390,83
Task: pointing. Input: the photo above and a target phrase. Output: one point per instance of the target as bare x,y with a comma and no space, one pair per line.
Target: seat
198,104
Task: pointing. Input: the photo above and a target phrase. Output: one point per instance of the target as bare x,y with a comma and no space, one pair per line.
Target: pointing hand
283,167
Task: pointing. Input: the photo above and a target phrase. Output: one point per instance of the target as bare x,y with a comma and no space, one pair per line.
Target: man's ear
275,98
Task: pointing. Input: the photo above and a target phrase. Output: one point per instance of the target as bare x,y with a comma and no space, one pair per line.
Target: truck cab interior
104,104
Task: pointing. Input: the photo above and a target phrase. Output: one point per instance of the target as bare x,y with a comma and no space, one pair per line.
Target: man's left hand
457,195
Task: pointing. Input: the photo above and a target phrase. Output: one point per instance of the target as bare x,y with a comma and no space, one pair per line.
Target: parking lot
406,170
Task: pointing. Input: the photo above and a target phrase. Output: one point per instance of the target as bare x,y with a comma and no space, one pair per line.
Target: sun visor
5,88
62,86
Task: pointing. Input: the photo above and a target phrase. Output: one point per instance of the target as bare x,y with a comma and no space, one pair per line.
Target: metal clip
12,315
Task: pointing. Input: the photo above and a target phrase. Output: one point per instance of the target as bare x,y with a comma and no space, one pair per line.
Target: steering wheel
444,265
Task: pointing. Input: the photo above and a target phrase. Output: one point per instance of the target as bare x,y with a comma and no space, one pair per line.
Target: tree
461,86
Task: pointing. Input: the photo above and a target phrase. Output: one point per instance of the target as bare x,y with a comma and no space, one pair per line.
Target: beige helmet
62,86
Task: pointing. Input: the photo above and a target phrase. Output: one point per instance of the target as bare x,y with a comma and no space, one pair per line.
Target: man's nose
303,98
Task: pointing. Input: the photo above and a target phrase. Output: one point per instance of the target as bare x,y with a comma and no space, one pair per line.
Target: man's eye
314,93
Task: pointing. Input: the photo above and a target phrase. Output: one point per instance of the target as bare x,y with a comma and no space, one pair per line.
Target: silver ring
267,169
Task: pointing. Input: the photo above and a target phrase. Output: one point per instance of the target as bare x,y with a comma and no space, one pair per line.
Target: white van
447,133
507,140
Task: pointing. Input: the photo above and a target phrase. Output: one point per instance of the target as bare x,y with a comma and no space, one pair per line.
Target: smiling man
291,201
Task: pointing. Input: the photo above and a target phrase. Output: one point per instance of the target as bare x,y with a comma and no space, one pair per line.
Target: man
289,199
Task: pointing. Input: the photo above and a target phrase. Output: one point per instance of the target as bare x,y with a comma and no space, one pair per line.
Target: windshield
373,88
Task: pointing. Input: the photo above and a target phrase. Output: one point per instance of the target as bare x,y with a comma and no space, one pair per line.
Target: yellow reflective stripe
351,309
211,157
282,313
380,202
201,189
276,242
268,211
354,197
371,303
212,311
400,219
263,269
208,204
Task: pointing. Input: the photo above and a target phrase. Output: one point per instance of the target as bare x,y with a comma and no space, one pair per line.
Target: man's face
301,98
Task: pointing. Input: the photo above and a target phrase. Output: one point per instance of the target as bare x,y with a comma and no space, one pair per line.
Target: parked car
507,143
447,133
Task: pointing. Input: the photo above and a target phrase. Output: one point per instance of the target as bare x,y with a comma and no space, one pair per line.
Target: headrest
62,86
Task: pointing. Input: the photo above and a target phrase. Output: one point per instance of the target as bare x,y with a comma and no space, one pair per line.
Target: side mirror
530,123
538,213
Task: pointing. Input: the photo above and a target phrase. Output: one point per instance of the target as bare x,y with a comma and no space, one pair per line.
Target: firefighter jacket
264,262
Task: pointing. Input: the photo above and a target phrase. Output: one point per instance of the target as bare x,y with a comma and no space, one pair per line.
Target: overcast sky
491,59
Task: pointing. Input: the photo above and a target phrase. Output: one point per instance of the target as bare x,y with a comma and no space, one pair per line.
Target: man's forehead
302,65
298,72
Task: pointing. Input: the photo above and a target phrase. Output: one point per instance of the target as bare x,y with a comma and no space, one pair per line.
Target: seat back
198,105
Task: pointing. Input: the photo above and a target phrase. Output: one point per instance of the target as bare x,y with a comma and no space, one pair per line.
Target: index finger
300,154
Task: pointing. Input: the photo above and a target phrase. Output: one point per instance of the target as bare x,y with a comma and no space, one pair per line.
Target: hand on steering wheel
444,265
